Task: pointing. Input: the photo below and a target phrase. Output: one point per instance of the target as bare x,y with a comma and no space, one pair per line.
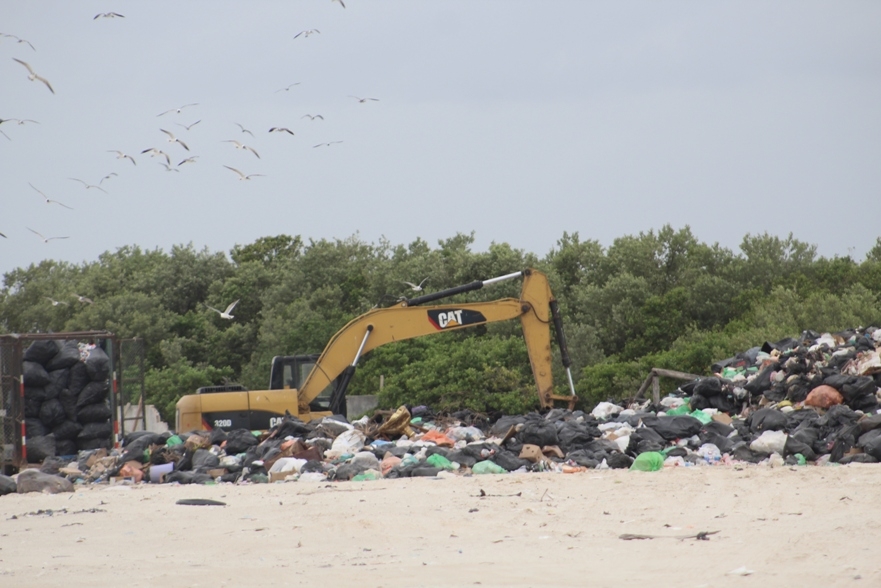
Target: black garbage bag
762,381
648,434
794,446
725,444
94,413
573,435
870,442
462,458
766,419
582,458
34,374
144,439
643,446
57,382
431,450
32,408
776,393
66,447
347,471
204,460
501,426
52,413
218,436
68,399
40,351
35,393
67,355
619,461
674,427
742,452
240,440
51,465
78,378
513,445
539,433
34,427
424,471
95,431
87,444
179,477
7,485
708,387
837,416
39,448
93,393
509,461
97,365
67,430
289,427
860,394
858,458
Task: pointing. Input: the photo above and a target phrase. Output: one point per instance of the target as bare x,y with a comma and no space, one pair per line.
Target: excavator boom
536,309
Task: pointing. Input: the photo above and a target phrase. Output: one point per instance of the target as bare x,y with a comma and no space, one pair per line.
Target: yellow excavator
312,386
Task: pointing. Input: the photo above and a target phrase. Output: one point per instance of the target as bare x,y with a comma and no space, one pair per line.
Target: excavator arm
536,309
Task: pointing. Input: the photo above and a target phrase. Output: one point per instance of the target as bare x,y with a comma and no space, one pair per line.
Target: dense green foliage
657,299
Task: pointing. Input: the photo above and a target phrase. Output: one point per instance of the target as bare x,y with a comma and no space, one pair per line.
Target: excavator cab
288,372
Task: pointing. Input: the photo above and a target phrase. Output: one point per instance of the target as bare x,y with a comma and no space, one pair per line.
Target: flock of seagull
165,159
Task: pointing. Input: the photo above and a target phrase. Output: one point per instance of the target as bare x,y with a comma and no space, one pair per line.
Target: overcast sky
517,120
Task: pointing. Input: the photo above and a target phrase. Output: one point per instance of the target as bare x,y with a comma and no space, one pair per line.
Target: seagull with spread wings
83,299
312,116
45,239
178,109
326,144
33,75
281,130
19,40
241,175
121,155
49,200
244,130
416,287
108,15
188,127
307,33
288,88
153,151
363,100
241,146
173,139
56,302
87,185
225,314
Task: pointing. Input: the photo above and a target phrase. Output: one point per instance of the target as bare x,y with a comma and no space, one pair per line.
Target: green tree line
657,299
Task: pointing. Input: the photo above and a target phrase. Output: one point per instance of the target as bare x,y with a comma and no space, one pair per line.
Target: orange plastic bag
824,396
438,439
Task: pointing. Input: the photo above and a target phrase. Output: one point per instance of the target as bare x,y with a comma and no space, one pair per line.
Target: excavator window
290,371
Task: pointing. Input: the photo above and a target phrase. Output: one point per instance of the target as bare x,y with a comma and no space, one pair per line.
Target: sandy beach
789,526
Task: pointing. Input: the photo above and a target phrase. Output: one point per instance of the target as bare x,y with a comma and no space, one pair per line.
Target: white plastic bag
769,442
604,410
349,441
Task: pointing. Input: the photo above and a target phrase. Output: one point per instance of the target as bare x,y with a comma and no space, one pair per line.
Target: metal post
24,439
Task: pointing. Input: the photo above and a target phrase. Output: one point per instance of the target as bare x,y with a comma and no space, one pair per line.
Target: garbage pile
812,400
65,398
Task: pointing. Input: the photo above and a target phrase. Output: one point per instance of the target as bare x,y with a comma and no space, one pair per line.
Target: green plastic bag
439,461
173,440
367,476
650,461
701,416
681,409
488,467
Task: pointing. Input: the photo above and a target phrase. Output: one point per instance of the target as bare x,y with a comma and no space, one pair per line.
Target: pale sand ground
808,526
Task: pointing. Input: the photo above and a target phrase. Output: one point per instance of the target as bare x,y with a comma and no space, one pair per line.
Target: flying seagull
340,1
240,146
83,299
312,116
48,200
5,135
281,130
56,302
363,100
121,155
288,88
416,287
326,144
20,121
241,175
225,313
107,177
153,151
87,185
191,159
173,139
4,236
178,109
188,127
244,130
168,167
108,15
45,239
19,40
33,75
307,33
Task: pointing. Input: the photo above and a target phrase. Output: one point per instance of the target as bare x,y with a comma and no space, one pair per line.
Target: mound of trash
807,401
